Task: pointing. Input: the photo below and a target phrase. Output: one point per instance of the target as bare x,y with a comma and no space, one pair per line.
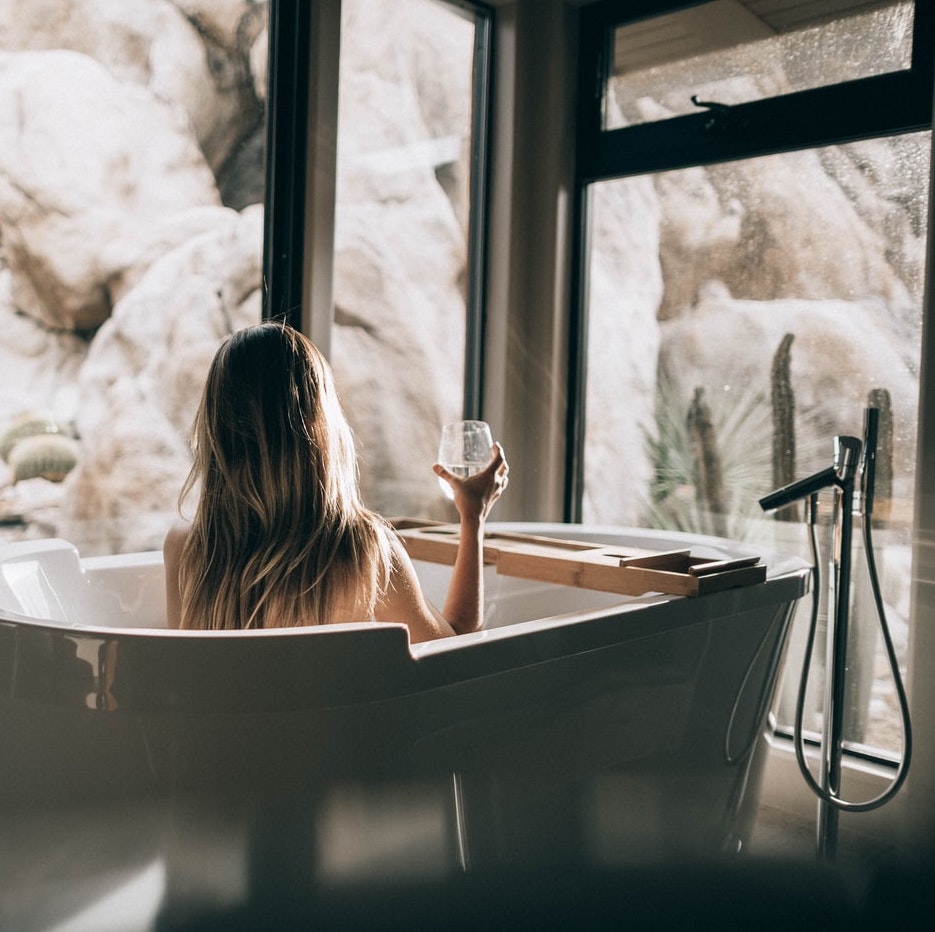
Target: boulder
699,238
141,381
121,270
192,55
792,210
394,340
841,350
763,225
231,23
887,200
258,57
625,291
400,248
38,365
88,166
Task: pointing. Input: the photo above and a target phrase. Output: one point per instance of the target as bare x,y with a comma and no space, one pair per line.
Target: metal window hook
721,117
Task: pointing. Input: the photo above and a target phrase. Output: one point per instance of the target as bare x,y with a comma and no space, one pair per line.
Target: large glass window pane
403,214
131,225
741,315
733,52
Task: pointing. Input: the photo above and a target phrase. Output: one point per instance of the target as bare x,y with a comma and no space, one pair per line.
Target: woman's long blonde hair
280,536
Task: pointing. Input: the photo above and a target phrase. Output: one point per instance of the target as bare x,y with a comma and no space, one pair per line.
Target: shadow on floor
739,893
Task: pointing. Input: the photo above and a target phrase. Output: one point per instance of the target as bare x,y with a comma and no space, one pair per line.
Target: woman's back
280,536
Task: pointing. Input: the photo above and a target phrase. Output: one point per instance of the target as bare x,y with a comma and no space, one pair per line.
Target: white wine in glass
465,448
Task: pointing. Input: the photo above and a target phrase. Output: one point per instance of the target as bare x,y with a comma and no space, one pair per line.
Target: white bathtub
578,724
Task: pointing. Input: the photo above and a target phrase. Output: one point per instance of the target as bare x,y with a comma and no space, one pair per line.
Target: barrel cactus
23,428
50,456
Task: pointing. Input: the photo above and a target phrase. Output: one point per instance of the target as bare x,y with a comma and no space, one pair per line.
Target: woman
280,536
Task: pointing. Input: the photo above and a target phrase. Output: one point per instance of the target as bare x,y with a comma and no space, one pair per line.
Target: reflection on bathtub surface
577,725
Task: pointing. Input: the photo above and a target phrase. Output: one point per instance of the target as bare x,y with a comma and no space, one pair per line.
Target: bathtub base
620,731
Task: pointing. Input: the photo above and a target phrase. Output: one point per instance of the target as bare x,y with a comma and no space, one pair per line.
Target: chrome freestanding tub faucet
852,478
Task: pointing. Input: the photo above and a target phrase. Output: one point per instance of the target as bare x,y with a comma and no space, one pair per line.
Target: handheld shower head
868,461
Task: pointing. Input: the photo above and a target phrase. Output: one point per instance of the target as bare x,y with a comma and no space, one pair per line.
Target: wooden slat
583,564
720,566
731,579
663,560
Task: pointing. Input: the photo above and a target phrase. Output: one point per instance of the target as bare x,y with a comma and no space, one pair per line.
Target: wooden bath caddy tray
585,564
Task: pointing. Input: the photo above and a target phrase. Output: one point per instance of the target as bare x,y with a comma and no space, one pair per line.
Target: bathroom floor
137,867
782,834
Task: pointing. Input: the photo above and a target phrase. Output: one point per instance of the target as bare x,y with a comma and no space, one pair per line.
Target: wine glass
465,448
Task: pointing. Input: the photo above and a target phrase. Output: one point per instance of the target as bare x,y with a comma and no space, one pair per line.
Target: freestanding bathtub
578,725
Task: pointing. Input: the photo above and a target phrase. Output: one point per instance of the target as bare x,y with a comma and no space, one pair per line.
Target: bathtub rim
307,679
779,566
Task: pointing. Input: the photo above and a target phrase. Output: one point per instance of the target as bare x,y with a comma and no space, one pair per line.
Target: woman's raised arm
473,497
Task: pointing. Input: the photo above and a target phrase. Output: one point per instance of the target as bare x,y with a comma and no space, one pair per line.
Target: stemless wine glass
465,449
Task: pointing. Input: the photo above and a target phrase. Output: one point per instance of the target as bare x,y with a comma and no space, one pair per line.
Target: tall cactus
783,403
709,475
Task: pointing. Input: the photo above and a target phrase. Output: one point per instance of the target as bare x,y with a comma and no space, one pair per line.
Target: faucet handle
846,456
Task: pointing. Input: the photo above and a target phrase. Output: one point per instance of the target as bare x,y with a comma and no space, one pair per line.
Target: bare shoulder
171,556
403,600
401,569
175,539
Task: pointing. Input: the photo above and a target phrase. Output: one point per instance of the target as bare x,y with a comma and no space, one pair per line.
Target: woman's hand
475,495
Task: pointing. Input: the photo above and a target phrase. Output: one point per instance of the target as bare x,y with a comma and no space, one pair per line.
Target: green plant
740,422
22,428
782,398
45,456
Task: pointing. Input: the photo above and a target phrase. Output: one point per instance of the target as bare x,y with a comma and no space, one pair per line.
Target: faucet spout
802,488
842,473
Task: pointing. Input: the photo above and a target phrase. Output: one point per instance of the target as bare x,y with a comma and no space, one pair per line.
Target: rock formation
131,242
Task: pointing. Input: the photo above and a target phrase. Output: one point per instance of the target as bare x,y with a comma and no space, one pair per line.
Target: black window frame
290,21
289,64
882,105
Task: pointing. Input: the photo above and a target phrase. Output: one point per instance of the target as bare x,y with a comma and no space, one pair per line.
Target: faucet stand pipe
832,743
